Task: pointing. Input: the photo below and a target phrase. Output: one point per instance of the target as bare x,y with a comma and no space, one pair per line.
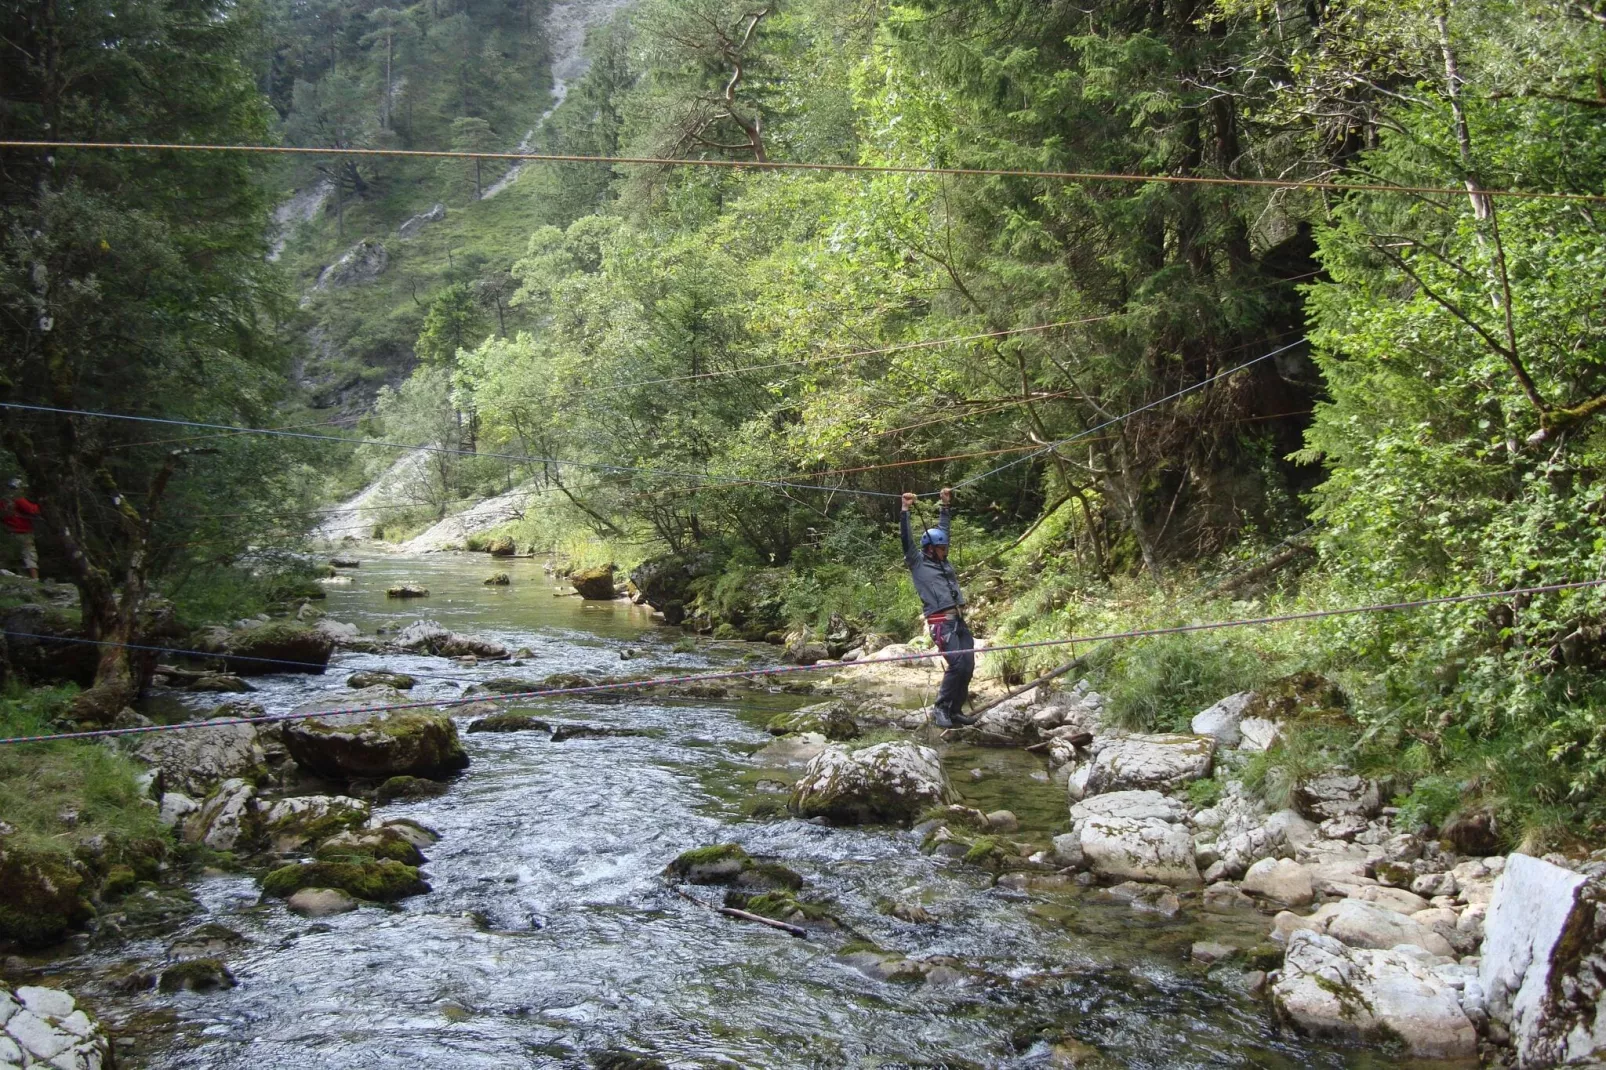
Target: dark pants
954,635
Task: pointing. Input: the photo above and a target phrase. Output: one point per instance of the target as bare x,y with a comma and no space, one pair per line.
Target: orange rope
789,165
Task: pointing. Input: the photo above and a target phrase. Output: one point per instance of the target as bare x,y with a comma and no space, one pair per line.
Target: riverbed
551,938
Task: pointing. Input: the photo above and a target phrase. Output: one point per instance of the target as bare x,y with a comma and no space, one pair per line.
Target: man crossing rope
940,598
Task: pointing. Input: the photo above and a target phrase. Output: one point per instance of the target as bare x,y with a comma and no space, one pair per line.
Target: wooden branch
1053,674
1262,570
786,927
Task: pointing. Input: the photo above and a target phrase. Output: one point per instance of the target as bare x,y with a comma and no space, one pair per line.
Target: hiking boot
940,718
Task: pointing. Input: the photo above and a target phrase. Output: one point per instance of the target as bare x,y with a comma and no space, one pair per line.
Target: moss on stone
409,787
371,844
770,875
378,881
510,721
43,895
119,881
782,906
715,864
196,975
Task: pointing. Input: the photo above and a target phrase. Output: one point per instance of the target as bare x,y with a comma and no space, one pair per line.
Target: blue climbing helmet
934,537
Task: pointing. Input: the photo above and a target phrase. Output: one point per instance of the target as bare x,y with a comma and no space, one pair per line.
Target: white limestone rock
1281,880
1258,734
196,759
1136,835
43,1027
227,819
1136,762
1361,924
1221,721
1544,962
1337,794
1331,990
890,782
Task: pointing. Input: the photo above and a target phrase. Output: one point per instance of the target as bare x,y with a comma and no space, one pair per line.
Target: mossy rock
377,745
501,546
594,584
718,864
497,579
279,646
43,895
726,631
409,787
833,720
510,721
196,975
379,844
381,881
407,590
119,881
1304,697
507,685
399,680
782,906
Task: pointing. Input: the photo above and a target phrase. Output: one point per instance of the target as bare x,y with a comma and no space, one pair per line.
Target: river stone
1361,924
226,820
44,1027
1337,794
1396,899
407,590
375,745
1544,962
199,757
278,646
298,822
1136,835
1220,722
833,720
320,902
1280,879
1330,990
594,584
889,782
398,680
1148,761
1258,734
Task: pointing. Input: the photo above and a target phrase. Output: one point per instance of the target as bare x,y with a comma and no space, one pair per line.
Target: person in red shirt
17,514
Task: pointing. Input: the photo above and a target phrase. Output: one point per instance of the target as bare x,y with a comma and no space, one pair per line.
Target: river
550,937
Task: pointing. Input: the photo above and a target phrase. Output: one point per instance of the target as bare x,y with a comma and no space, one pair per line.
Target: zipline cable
794,165
785,670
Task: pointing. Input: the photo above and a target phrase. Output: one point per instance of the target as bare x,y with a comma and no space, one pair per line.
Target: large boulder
1544,963
1328,989
301,821
890,782
278,646
227,820
666,583
377,744
194,760
833,720
1135,835
430,637
1338,795
1220,722
1362,924
594,584
45,1027
42,894
501,546
1130,763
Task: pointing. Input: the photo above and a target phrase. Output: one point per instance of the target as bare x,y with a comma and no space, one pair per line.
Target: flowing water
550,936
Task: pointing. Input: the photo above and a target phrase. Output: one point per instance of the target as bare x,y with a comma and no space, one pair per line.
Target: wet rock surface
45,1027
378,745
889,782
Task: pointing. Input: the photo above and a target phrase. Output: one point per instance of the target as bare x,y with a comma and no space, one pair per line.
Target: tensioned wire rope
699,477
801,165
786,670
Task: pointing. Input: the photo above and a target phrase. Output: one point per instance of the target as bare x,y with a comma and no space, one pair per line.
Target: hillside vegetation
1424,427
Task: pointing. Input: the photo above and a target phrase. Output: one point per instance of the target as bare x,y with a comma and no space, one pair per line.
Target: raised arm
910,553
946,495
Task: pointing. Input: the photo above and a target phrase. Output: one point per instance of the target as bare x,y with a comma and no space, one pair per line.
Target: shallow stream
550,936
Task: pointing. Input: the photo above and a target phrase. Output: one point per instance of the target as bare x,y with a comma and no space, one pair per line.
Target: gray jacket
936,582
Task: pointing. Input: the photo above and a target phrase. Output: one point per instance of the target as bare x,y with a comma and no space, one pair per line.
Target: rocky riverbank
1324,913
